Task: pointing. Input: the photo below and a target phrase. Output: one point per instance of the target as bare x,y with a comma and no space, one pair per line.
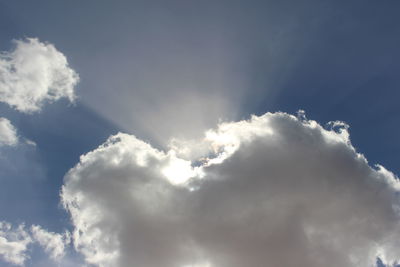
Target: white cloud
14,243
35,73
272,191
8,133
53,243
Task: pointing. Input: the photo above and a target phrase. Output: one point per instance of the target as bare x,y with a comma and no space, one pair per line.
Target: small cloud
30,142
53,243
8,133
35,73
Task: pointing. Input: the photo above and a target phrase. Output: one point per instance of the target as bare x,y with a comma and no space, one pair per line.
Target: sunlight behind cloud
179,171
274,190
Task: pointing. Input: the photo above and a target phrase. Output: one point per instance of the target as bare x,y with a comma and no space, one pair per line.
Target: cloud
53,243
35,73
276,190
8,133
14,242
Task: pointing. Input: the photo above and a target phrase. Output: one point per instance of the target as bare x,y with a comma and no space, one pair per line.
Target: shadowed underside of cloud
276,190
35,73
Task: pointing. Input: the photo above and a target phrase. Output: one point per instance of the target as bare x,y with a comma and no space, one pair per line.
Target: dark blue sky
337,60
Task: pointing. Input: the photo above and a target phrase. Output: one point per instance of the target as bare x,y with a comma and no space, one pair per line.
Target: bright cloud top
276,190
15,241
8,133
35,73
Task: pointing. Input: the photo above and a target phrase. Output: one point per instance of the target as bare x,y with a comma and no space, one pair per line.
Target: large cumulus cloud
276,190
35,73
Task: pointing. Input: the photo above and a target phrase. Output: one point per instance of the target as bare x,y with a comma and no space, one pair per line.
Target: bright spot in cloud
179,171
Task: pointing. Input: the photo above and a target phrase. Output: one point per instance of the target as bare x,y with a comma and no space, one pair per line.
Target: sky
199,133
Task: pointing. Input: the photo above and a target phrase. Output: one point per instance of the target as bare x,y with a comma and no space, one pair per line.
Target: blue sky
160,70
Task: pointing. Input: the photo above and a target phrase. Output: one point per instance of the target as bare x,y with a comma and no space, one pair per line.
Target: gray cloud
35,73
275,190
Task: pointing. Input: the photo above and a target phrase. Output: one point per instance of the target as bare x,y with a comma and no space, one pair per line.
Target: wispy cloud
15,241
8,133
53,243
